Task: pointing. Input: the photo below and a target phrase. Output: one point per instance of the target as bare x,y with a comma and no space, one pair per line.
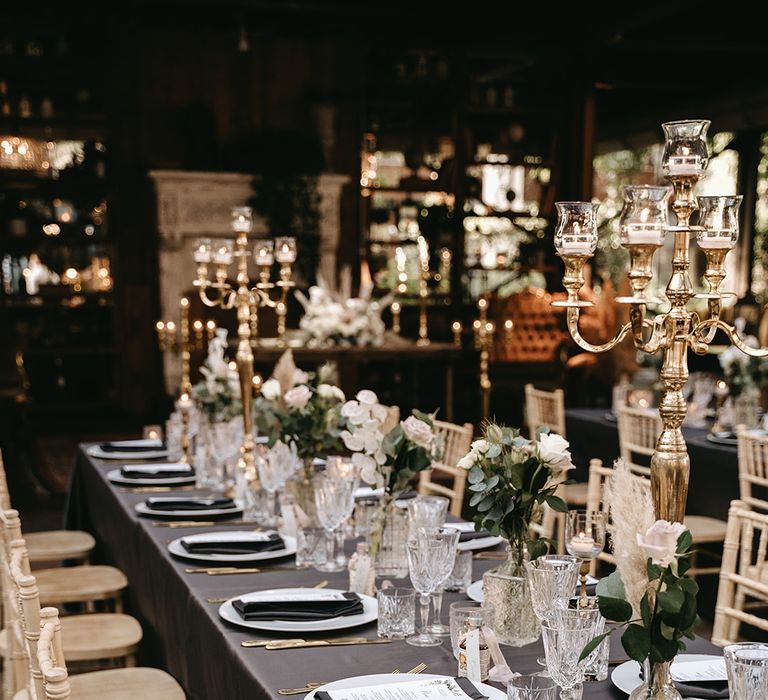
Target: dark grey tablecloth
714,480
186,635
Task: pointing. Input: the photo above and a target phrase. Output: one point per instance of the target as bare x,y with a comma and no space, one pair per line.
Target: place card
712,669
236,536
426,689
303,597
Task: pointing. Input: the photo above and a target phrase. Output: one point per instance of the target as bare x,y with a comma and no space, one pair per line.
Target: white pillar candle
722,238
684,165
638,234
582,544
573,246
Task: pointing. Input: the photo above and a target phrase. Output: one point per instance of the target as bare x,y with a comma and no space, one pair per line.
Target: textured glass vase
391,554
658,684
300,486
746,408
506,589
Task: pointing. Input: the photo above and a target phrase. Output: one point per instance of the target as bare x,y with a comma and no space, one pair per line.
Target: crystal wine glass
584,538
275,466
430,512
431,554
343,468
334,500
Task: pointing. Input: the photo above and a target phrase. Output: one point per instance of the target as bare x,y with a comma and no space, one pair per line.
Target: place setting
192,507
145,448
235,546
154,474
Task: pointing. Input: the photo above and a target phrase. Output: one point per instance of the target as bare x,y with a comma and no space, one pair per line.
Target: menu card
426,689
712,669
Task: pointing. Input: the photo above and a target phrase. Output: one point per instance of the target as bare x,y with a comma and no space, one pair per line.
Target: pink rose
660,542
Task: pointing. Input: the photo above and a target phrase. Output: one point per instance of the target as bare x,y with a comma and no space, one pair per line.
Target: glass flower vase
505,588
746,408
388,537
657,685
303,492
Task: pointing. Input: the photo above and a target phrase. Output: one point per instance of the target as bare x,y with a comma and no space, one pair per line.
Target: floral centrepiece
218,395
333,320
388,453
511,479
743,373
648,594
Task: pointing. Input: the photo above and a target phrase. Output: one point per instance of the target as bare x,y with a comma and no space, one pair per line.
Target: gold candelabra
643,226
424,276
246,300
483,331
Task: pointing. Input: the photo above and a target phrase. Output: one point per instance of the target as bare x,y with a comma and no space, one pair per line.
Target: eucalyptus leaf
475,475
611,586
592,645
615,609
636,641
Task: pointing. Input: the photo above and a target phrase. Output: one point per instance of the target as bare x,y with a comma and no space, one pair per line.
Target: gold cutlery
219,601
418,668
214,570
322,584
308,688
156,489
350,641
256,643
204,523
490,555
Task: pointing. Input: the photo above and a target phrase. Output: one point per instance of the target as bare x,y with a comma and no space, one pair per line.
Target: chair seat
575,494
705,529
121,684
95,637
58,545
72,584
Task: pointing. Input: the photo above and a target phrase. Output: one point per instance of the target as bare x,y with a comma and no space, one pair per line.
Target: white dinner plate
475,589
627,676
479,543
117,478
370,613
96,451
143,509
388,678
177,549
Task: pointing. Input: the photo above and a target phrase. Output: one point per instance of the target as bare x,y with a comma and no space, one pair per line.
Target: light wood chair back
50,657
454,441
744,573
14,658
544,408
753,468
5,494
639,429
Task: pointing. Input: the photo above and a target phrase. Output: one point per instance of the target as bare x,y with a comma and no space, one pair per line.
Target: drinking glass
461,576
275,466
334,500
397,613
431,554
365,509
430,512
342,468
531,686
747,667
564,637
458,617
310,547
587,607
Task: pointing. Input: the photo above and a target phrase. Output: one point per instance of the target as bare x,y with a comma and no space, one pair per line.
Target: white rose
298,397
300,377
328,391
367,397
553,449
355,412
467,461
368,469
480,446
417,431
660,542
270,390
352,441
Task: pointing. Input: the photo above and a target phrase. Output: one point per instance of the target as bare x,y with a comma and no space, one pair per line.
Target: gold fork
308,688
418,668
322,584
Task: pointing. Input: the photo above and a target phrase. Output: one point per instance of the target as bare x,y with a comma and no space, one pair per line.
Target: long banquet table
714,478
186,636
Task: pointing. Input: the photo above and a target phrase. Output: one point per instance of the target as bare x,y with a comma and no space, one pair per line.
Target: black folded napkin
271,543
705,690
170,503
472,535
299,610
465,684
143,472
112,447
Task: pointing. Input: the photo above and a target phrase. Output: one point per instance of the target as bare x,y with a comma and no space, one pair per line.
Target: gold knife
273,646
255,643
156,489
203,523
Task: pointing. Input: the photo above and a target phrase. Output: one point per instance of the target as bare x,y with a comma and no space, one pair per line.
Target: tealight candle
684,165
721,388
184,403
223,253
263,254
639,234
285,250
573,246
202,253
582,544
714,238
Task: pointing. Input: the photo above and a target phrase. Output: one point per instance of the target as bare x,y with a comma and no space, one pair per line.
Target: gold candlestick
484,331
721,394
673,332
395,308
456,328
424,275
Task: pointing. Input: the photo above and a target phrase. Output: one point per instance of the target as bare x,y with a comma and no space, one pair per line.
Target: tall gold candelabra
246,300
643,225
484,330
424,275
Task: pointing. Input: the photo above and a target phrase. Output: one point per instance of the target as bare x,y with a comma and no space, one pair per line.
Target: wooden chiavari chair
753,469
547,408
455,441
44,649
639,428
743,574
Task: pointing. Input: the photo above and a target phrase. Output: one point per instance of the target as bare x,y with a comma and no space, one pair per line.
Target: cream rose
298,397
270,390
417,431
467,461
660,542
300,376
367,397
480,446
328,391
553,449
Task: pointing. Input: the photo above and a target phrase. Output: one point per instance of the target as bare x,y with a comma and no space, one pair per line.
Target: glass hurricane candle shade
263,253
584,533
242,219
285,249
576,230
685,149
719,222
223,252
643,220
203,250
